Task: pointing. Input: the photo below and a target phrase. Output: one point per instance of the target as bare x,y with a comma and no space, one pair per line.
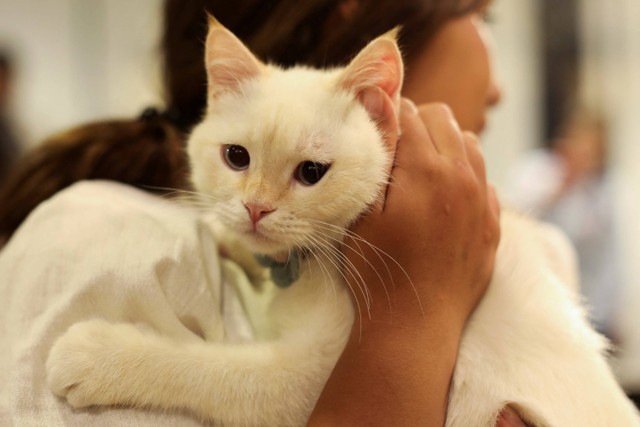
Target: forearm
393,374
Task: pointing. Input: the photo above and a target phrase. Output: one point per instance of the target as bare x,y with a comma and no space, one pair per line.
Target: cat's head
287,158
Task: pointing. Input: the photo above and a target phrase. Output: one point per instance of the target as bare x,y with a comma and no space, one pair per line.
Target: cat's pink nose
257,211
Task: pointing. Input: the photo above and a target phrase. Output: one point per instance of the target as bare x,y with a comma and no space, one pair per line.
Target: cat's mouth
259,236
261,242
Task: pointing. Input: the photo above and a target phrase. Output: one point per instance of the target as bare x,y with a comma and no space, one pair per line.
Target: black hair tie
149,114
171,116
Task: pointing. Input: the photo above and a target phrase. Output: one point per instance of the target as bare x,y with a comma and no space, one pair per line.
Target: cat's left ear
228,61
378,65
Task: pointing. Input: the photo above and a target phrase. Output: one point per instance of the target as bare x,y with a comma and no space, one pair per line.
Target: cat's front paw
83,363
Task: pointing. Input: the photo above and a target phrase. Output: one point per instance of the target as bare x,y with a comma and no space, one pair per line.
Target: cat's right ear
227,60
378,66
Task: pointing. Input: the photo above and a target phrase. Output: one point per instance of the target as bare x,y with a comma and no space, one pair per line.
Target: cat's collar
283,274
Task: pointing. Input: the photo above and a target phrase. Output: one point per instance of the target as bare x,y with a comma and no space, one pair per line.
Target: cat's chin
258,243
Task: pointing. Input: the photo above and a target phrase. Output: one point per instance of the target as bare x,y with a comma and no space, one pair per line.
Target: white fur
527,344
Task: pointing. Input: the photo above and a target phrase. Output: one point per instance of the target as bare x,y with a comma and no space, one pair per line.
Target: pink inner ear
225,75
393,80
379,65
372,99
228,62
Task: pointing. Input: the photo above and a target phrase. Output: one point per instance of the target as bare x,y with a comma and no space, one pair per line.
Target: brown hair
287,32
144,153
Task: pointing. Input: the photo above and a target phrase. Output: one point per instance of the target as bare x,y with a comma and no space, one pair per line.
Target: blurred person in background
9,145
568,185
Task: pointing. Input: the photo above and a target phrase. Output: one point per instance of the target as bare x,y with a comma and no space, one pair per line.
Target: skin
391,373
455,69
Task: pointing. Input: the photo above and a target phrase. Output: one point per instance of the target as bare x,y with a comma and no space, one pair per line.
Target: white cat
288,158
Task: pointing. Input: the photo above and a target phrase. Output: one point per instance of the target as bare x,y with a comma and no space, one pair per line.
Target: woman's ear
229,63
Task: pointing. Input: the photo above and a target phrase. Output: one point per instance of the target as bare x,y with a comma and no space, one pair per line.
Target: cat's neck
297,265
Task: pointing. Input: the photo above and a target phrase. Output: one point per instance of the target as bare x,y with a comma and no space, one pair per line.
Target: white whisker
323,243
331,253
351,266
379,252
327,249
325,272
335,256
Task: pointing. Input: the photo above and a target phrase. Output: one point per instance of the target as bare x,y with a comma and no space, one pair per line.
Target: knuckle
443,109
469,186
437,110
471,138
466,177
472,145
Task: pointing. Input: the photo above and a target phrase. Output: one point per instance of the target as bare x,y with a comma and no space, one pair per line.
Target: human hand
439,221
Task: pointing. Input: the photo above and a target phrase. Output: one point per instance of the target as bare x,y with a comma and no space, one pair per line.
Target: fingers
476,160
431,139
431,143
439,207
473,154
432,130
416,144
412,153
443,129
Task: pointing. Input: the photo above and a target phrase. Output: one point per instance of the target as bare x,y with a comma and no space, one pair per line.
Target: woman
327,33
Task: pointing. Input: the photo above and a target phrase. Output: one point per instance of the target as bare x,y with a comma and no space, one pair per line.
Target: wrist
394,331
399,361
403,309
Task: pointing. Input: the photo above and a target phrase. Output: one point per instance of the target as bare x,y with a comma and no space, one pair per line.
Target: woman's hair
320,33
146,153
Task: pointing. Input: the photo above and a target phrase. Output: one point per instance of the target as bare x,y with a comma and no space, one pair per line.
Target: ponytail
147,153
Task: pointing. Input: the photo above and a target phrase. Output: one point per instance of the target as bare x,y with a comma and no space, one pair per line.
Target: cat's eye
310,173
236,157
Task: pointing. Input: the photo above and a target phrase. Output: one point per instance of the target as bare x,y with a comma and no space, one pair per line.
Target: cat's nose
257,211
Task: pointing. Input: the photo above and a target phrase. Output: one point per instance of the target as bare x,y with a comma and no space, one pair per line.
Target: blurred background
564,145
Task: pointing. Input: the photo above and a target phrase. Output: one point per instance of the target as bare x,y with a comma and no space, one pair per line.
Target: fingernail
410,105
